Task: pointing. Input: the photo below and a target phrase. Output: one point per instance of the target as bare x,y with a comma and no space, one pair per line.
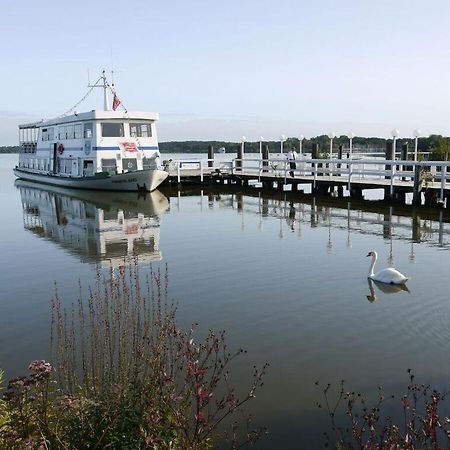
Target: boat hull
140,180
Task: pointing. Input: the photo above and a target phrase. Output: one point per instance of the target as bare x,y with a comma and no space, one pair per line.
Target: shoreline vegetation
124,375
438,145
418,419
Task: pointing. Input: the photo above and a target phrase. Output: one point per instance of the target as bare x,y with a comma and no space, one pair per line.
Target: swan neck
372,266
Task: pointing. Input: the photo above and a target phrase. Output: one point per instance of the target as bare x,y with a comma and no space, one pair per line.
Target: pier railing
386,173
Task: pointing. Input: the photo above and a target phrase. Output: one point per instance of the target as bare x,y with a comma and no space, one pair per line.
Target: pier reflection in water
96,226
391,223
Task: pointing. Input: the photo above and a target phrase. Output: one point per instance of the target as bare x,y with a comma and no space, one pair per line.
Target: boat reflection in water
101,227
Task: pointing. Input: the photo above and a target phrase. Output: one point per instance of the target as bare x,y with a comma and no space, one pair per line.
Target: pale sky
221,70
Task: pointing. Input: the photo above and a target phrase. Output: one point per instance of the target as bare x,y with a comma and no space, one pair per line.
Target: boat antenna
105,93
104,85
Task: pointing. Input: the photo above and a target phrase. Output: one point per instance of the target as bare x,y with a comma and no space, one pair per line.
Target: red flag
116,102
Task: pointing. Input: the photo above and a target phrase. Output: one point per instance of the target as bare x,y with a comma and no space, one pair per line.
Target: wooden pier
426,182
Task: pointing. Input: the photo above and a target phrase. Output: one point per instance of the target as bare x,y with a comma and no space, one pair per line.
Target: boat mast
105,94
105,87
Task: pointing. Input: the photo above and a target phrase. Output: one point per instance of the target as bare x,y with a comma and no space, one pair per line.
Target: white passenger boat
100,149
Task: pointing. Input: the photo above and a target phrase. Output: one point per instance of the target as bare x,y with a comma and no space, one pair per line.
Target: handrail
345,168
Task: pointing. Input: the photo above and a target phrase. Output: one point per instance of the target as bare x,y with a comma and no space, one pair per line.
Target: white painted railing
349,170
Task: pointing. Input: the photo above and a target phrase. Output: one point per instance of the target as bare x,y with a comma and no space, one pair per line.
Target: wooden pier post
315,150
265,157
430,198
265,207
400,196
390,156
315,155
387,224
417,189
404,153
240,201
404,157
210,156
239,156
416,231
339,157
356,192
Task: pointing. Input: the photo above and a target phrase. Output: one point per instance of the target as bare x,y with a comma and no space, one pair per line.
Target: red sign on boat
129,146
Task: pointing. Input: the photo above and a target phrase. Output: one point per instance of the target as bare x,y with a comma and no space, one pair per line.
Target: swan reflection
103,227
384,288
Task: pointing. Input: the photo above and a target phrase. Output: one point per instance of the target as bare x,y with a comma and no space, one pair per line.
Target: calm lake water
286,279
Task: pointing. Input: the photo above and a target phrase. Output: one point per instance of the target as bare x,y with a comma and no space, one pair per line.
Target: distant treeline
437,145
9,149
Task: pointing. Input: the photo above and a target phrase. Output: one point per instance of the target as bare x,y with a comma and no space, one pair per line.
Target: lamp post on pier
351,135
300,146
261,139
417,134
331,135
243,140
282,139
394,134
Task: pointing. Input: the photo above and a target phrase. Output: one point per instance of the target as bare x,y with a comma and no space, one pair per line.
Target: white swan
388,276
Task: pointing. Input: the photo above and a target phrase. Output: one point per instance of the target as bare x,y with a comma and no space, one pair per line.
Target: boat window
62,132
112,129
70,131
78,134
109,165
88,130
129,164
140,129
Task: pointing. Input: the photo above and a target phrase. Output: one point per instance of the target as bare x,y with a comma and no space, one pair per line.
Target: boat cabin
85,144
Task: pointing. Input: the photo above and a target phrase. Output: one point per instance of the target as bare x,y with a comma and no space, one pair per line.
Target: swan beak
368,254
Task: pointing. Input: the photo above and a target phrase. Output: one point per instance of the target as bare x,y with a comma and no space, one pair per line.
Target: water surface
287,279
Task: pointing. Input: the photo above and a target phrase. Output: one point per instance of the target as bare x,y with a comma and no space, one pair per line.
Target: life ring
60,148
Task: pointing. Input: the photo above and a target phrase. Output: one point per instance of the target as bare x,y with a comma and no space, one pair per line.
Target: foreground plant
423,424
127,377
